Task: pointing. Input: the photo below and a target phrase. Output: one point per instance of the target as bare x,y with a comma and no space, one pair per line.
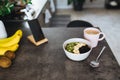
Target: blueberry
84,49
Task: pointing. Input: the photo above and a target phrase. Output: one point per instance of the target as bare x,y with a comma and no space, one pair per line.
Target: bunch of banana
10,43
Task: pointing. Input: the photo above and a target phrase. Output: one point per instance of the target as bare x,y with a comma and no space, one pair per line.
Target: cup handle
103,36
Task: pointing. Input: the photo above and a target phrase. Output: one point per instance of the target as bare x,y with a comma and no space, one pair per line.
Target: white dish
77,57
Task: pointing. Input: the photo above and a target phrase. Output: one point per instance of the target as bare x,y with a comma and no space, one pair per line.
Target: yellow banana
11,40
10,48
17,33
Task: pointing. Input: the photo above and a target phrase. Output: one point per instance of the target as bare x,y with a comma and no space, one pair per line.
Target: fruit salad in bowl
77,49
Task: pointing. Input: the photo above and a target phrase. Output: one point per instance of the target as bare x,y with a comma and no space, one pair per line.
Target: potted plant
5,7
77,4
12,6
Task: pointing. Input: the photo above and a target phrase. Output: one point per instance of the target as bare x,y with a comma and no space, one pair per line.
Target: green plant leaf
70,1
0,12
6,1
6,6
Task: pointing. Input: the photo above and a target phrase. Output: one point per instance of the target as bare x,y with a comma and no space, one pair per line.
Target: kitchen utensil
96,62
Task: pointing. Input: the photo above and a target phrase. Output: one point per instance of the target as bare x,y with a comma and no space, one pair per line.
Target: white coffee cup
3,33
93,35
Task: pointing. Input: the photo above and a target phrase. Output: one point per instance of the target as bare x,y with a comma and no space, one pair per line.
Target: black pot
11,16
108,6
78,4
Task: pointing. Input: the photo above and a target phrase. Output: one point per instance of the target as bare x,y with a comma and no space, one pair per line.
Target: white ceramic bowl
77,57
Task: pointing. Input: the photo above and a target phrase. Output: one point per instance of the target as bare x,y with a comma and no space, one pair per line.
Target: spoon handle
100,53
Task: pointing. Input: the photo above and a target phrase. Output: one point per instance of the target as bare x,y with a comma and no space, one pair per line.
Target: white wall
38,6
62,4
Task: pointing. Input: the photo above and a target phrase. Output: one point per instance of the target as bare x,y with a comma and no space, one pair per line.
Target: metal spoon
96,62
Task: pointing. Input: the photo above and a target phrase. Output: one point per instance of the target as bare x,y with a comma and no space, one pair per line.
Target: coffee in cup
93,35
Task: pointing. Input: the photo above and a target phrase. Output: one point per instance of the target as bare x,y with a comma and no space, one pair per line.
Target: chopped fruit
77,47
84,49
